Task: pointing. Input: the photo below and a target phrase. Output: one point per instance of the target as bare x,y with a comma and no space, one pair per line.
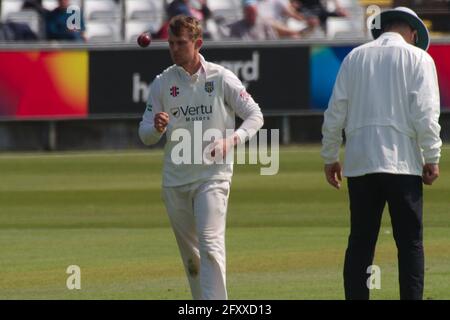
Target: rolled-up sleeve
425,109
335,117
147,131
237,97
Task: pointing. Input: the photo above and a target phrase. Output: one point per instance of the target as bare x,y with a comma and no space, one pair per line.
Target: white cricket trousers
197,213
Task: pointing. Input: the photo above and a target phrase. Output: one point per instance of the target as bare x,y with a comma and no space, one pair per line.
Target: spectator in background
35,5
278,12
316,9
251,27
56,24
185,7
12,31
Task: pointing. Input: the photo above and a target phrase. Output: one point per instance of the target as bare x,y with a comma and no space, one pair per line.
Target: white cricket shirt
386,98
211,97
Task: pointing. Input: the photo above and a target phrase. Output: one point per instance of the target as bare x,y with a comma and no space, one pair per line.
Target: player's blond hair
190,24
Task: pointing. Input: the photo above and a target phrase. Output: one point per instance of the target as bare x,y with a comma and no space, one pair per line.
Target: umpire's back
386,98
384,77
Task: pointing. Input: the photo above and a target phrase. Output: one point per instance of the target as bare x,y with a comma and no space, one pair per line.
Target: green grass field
286,234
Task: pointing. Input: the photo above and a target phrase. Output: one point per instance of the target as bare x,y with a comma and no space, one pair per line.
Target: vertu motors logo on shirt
175,112
193,113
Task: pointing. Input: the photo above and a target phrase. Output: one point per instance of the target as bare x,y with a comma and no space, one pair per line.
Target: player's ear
198,43
415,37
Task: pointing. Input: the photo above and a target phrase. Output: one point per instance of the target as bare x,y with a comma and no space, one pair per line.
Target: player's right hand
430,173
161,121
333,174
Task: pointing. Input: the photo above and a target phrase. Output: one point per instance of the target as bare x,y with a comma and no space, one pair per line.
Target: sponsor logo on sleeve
244,95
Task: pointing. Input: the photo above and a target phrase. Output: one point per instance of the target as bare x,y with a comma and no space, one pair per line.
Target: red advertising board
44,84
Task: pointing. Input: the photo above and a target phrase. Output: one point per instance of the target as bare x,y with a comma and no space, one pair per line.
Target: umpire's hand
161,121
430,173
333,173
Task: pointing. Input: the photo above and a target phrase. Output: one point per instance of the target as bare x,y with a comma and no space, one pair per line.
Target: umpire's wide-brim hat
408,15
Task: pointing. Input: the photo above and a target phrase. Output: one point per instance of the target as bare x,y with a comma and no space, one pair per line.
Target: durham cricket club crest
209,86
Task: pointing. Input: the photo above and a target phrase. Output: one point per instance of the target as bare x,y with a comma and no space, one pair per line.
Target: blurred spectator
251,27
278,12
315,8
185,7
16,31
56,24
35,5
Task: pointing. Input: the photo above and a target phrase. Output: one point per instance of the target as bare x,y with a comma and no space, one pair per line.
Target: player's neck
193,66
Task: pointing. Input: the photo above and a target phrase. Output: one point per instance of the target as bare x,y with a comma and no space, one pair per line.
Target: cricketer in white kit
190,92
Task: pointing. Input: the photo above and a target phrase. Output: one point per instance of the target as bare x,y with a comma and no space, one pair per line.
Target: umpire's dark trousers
368,196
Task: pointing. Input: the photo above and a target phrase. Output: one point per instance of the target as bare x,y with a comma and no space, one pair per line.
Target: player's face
63,3
182,48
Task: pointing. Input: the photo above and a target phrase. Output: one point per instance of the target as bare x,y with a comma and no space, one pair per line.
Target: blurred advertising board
37,84
277,78
441,54
76,83
326,60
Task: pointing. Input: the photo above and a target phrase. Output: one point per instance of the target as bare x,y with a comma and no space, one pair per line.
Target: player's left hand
219,149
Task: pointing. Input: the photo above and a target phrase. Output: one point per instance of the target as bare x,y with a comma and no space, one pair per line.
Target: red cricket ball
144,39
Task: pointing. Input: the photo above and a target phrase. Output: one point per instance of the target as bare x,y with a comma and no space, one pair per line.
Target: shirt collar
392,35
195,76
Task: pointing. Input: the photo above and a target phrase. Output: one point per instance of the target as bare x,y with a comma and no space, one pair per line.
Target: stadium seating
10,6
349,27
125,19
29,17
142,15
101,10
143,9
340,28
134,28
102,31
226,11
103,20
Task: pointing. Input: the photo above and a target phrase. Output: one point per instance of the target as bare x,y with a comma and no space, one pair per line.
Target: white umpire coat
386,98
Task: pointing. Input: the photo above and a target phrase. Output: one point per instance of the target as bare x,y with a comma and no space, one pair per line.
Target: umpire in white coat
386,98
